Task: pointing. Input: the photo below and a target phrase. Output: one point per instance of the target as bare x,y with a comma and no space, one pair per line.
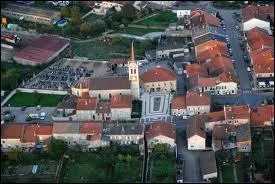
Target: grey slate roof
123,129
66,128
69,102
208,162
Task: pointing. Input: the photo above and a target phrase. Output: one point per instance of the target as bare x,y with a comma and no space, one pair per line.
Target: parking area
20,116
59,76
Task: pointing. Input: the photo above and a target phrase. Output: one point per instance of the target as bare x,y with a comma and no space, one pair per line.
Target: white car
233,61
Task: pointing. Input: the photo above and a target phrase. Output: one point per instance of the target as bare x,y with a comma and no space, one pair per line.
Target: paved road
20,116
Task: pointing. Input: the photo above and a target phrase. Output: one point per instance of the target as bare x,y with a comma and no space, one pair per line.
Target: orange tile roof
200,18
207,46
258,38
158,75
157,128
121,101
95,129
194,69
219,64
197,99
12,131
263,61
207,82
213,81
31,131
262,114
178,102
237,112
258,12
86,103
227,77
103,107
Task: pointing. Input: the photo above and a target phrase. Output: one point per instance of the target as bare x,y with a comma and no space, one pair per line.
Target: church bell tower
134,75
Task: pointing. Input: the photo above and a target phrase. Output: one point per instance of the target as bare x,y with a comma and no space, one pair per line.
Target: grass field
162,19
93,17
137,31
118,48
33,99
164,169
103,166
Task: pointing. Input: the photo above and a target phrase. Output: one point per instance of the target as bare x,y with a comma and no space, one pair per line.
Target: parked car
38,107
23,108
6,112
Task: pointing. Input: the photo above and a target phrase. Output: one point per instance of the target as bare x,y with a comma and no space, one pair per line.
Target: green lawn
164,168
33,99
227,173
93,17
137,31
103,166
161,19
118,48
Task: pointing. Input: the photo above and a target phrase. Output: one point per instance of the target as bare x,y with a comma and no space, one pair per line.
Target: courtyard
156,106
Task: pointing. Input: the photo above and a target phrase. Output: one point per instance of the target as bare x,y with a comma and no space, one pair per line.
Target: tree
9,80
128,12
85,28
65,12
57,148
14,155
161,148
75,15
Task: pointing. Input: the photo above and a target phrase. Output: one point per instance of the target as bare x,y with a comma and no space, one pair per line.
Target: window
110,95
131,71
134,71
74,142
192,146
3,142
89,137
99,95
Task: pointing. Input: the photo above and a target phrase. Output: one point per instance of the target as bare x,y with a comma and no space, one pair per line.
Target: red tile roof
12,131
201,19
178,102
31,131
103,107
221,131
158,75
86,103
157,128
196,126
258,12
207,82
237,112
94,129
195,69
262,114
41,49
215,116
219,64
258,38
119,61
197,99
121,101
263,61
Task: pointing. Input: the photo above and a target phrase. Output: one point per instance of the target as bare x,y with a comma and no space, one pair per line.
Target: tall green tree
65,12
85,28
57,148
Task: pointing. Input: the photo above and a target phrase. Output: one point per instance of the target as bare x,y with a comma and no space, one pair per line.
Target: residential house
208,165
121,107
200,20
262,117
159,79
123,62
160,5
257,16
124,133
220,85
160,132
197,103
238,114
86,109
103,110
178,105
67,106
101,7
196,135
207,34
90,135
243,137
68,132
210,50
195,70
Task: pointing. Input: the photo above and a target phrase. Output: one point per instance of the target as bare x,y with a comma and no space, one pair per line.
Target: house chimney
86,102
226,130
200,94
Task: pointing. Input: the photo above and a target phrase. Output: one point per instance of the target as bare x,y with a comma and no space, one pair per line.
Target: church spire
132,58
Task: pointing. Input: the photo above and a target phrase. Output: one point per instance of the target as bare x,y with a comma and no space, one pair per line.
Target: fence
42,91
8,97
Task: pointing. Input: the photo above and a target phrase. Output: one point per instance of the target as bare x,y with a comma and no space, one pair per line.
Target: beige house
124,133
68,132
11,135
121,107
86,109
178,105
197,103
159,79
196,135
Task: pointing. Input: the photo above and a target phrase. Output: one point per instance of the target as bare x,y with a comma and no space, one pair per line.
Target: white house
182,13
195,132
121,107
68,132
256,16
11,135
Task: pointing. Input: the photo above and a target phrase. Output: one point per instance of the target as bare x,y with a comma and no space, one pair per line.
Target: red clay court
42,50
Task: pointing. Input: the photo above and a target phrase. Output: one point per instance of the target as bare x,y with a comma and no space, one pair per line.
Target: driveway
20,116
